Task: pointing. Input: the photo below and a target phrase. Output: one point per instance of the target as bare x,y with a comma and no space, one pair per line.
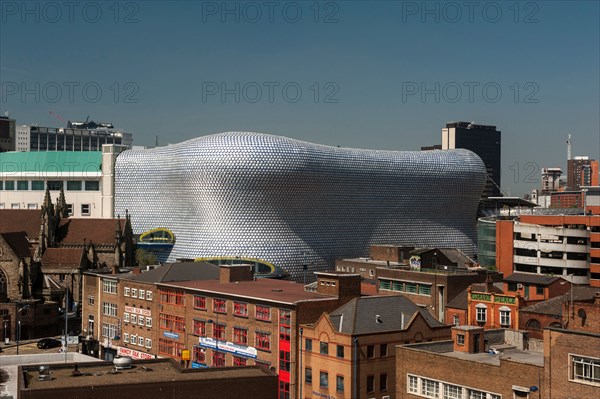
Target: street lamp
24,307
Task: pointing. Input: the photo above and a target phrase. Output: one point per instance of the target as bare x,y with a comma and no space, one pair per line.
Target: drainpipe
355,378
300,382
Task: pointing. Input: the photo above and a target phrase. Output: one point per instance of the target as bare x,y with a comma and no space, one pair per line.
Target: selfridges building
291,203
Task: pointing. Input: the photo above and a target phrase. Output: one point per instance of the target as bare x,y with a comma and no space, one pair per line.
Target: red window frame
219,305
285,361
219,331
218,359
171,297
285,320
170,348
284,390
199,327
199,302
263,341
240,336
240,309
239,361
262,313
172,323
199,355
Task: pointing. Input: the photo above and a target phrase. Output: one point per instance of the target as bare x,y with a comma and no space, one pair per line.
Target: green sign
481,297
506,299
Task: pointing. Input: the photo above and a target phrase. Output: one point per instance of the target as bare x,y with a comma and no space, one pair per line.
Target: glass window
73,186
85,209
539,290
199,302
383,350
55,185
424,289
22,185
70,209
240,309
383,382
263,313
481,313
324,348
452,392
308,375
148,321
9,185
284,360
37,185
323,379
430,388
148,343
240,336
142,294
218,359
505,317
460,339
308,344
370,383
413,384
340,351
263,341
339,383
92,185
370,351
126,291
586,369
134,292
219,306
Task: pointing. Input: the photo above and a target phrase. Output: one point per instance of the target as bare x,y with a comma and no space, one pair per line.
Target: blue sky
350,73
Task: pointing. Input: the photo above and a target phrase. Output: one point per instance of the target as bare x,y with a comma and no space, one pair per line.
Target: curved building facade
291,202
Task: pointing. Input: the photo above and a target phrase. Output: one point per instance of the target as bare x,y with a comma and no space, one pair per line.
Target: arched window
533,324
481,315
3,283
556,325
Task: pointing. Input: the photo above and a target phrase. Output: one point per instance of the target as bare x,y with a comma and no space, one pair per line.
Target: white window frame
85,212
126,291
140,341
148,321
141,320
134,293
109,286
126,337
133,318
148,343
590,367
505,317
142,294
481,313
126,317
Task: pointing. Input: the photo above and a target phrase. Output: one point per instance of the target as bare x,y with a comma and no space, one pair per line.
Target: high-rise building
580,172
7,134
483,140
550,180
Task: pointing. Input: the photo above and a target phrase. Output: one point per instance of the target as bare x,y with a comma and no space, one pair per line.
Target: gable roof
25,220
539,279
360,315
18,243
62,258
97,231
461,301
553,306
178,271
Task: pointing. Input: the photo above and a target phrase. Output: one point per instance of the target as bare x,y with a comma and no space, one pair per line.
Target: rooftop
178,271
96,231
538,279
554,306
142,371
16,220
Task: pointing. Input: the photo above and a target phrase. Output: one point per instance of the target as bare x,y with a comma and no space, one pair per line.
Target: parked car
46,343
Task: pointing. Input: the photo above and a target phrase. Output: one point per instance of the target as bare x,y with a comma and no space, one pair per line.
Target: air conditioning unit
519,286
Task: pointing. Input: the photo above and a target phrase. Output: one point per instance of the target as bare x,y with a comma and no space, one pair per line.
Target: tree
144,258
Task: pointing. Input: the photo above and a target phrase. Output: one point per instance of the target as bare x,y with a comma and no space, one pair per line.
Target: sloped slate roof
26,220
360,315
98,231
18,243
178,271
538,279
65,258
553,306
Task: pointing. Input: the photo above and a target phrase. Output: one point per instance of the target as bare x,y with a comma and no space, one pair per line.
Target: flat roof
509,201
142,371
515,355
282,291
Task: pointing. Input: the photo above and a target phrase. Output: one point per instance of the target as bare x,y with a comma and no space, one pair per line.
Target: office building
483,140
7,134
581,171
287,202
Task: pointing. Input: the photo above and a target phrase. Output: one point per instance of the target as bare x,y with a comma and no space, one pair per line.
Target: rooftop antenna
156,142
569,147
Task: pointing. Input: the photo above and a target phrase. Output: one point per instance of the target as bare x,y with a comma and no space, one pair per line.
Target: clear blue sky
371,74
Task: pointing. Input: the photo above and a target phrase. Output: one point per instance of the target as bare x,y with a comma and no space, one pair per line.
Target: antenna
569,147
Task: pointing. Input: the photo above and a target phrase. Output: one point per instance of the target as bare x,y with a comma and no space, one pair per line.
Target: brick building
233,320
349,352
155,379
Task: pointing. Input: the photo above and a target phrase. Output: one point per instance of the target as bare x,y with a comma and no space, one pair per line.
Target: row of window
340,349
405,286
585,369
324,379
137,340
109,309
109,330
435,389
109,286
85,208
262,340
140,320
135,293
218,358
481,314
53,185
240,309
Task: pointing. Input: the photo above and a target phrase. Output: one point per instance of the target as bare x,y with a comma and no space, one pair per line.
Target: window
284,390
199,302
170,348
15,205
460,339
370,383
263,341
339,383
199,354
199,327
170,322
126,317
308,375
383,350
22,185
148,343
219,331
55,185
539,290
323,379
219,306
9,185
456,320
240,336
218,359
340,351
141,320
383,382
37,185
31,206
109,309
481,313
452,392
91,300
141,341
239,361
109,286
109,330
126,291
385,284
148,295
142,294
263,313
70,209
172,297
73,186
425,290
505,316
285,320
324,348
134,292
92,185
284,360
126,338
133,339
413,384
411,288
430,388
85,209
533,324
474,394
148,321
585,369
370,351
133,318
240,309
308,345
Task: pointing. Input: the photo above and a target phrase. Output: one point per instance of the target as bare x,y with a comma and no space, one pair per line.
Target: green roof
54,161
